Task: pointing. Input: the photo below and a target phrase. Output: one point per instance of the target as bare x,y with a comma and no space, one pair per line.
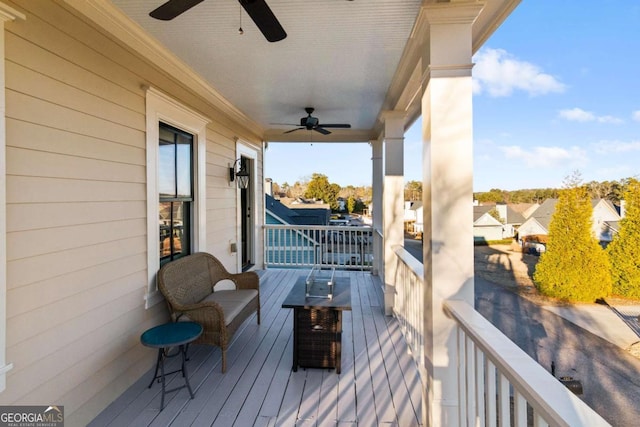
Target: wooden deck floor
378,386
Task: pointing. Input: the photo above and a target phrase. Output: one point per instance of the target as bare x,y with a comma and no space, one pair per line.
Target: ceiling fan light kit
258,11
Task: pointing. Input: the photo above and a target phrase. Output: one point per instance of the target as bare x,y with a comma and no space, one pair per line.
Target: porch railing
305,246
499,384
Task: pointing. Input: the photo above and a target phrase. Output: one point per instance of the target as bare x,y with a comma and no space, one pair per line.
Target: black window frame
171,229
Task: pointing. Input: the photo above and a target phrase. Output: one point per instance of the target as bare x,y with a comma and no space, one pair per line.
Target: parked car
534,244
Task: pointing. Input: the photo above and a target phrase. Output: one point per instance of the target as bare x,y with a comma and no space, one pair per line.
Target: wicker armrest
246,280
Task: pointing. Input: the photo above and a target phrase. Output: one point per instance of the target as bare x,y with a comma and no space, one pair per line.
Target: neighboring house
281,240
485,226
511,219
308,243
279,213
524,209
413,217
418,226
605,220
299,211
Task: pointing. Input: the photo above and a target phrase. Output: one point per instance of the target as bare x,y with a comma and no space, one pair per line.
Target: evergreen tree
574,266
351,204
320,188
624,250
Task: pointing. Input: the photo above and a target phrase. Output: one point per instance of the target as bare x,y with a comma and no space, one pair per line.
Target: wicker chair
188,287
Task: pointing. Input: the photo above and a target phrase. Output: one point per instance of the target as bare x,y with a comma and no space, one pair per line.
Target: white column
447,163
7,14
393,200
377,184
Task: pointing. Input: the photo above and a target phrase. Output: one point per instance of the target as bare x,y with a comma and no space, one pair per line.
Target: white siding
76,209
530,227
603,212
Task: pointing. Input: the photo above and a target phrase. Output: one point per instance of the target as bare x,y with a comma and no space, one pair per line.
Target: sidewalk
618,325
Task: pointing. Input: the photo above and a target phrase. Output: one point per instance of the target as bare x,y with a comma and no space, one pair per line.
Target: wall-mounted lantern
242,174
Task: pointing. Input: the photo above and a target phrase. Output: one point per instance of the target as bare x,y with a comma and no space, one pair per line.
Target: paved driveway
610,376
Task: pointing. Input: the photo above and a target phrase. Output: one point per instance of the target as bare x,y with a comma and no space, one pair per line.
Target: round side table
163,337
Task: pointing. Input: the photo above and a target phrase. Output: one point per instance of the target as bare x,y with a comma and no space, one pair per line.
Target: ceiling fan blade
173,8
336,125
322,130
292,130
265,20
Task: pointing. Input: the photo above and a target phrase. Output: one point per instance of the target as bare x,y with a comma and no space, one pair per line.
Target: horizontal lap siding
76,209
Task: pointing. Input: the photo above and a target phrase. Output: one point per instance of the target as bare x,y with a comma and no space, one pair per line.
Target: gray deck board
378,385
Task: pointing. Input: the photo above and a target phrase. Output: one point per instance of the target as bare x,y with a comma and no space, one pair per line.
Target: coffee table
317,325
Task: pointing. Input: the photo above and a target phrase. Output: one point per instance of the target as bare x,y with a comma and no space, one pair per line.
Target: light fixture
242,174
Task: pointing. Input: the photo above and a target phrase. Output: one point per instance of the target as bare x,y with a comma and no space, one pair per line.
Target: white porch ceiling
350,60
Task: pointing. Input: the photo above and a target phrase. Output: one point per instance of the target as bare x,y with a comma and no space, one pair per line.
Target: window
175,186
176,160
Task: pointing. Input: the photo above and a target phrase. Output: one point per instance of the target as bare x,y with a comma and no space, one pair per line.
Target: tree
495,214
320,188
351,204
495,195
413,191
574,266
624,250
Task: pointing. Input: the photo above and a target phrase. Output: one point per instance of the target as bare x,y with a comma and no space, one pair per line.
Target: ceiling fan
258,11
312,123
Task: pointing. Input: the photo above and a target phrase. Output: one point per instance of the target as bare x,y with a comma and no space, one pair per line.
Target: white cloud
577,115
636,115
615,146
580,115
547,157
610,119
499,73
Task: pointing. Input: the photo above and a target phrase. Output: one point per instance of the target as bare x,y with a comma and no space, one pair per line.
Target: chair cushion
232,302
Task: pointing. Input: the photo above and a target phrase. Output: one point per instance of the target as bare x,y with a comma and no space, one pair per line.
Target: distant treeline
611,190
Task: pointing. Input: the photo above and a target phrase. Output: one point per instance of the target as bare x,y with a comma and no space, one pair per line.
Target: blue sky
556,89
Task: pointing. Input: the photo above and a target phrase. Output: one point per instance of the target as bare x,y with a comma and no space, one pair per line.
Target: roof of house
305,216
607,202
415,205
513,216
302,203
544,213
524,209
478,211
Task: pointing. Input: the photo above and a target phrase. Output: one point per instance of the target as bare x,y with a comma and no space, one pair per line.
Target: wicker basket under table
319,338
317,325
